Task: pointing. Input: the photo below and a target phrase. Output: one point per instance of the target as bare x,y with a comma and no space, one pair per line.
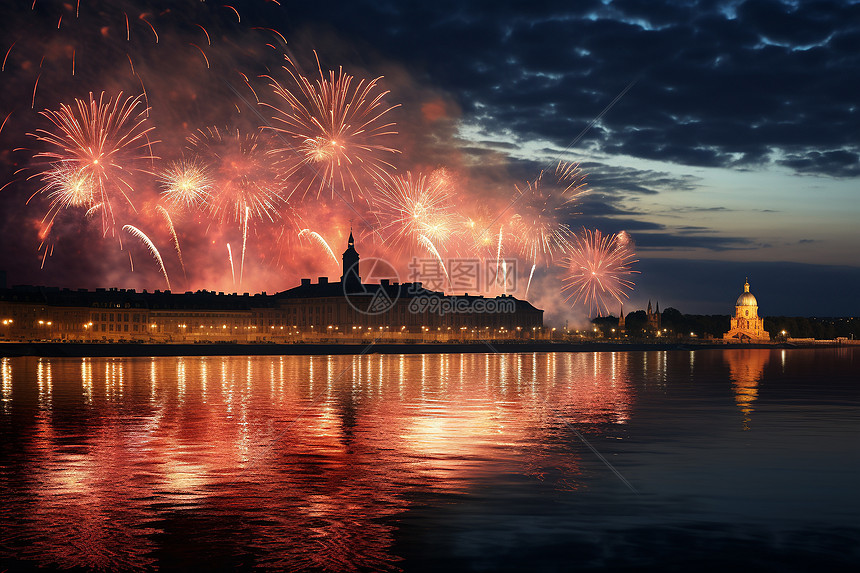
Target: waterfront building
653,318
746,326
344,311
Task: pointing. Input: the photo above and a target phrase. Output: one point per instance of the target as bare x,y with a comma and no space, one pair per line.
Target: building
343,311
654,321
746,326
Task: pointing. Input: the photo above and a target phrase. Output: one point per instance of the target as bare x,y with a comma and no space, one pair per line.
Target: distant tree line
674,324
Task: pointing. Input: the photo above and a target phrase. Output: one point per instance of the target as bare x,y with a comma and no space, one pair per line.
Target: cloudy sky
722,135
712,131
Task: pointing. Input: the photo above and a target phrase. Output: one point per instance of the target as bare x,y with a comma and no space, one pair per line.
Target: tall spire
350,278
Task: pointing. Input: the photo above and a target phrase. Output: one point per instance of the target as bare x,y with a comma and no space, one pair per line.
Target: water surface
592,461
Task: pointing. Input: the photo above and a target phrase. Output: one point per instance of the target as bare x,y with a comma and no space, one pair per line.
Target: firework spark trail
318,238
232,269
413,206
243,176
499,255
172,230
244,245
529,284
4,121
425,241
134,231
103,140
333,128
597,269
475,232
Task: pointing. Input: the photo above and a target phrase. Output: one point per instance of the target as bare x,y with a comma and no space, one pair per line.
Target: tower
653,317
746,324
350,278
621,324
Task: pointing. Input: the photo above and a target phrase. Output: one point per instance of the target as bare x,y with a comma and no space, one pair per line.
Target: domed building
746,326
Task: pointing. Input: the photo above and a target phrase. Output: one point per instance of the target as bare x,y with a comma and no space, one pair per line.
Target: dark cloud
728,84
839,163
687,241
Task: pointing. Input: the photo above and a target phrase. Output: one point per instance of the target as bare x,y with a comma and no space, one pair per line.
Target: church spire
746,284
350,279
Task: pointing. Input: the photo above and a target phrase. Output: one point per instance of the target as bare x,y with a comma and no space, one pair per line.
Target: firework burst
411,207
598,268
542,208
477,230
334,130
185,184
67,186
94,149
244,182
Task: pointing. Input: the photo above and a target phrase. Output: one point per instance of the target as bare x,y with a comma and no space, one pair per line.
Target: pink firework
333,131
241,179
414,206
93,152
598,269
543,207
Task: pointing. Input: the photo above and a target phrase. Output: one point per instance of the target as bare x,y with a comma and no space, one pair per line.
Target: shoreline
101,350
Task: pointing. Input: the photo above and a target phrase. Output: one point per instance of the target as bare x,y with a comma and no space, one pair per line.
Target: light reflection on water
313,462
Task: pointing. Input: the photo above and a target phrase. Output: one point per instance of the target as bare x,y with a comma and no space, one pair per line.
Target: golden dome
746,298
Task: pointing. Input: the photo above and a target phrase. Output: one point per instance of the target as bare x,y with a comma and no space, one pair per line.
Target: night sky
721,135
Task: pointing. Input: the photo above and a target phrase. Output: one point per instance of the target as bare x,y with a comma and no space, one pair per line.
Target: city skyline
719,135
